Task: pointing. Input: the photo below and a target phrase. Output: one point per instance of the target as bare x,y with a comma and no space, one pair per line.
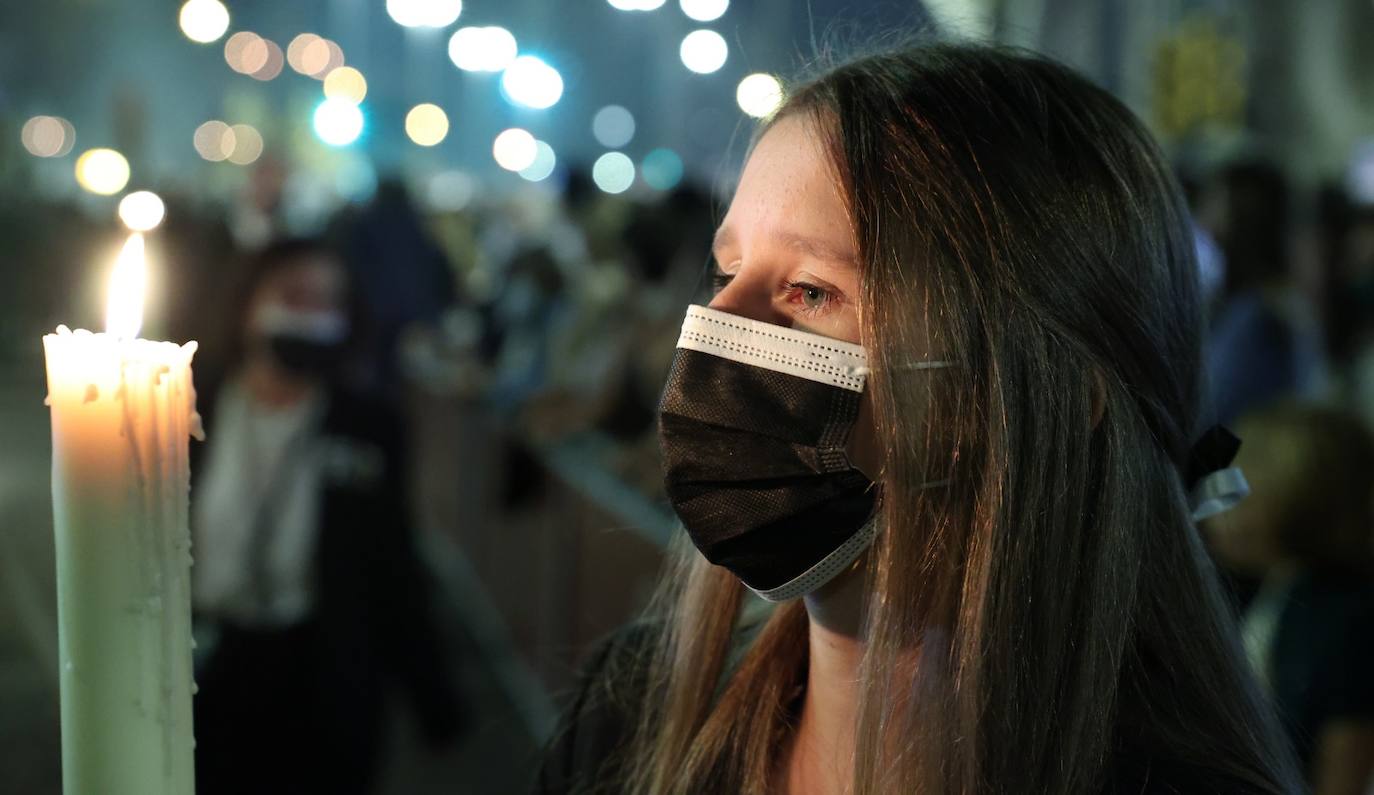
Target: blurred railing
544,550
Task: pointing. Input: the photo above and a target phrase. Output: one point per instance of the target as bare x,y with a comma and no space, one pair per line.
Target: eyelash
829,297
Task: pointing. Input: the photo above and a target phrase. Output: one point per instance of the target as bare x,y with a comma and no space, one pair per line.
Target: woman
307,590
994,252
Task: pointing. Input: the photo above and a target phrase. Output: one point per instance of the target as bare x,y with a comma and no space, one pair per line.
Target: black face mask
304,342
753,425
304,356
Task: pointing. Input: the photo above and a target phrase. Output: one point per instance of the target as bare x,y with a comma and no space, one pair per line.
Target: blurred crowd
1290,360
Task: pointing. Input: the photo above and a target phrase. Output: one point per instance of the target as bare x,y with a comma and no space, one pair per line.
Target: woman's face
297,318
785,253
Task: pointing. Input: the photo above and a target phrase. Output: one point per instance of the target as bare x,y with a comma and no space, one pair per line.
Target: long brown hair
1049,619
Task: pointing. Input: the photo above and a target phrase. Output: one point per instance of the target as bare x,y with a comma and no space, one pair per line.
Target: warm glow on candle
124,307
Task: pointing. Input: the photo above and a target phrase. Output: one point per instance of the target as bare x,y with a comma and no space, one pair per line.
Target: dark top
1322,660
586,754
316,690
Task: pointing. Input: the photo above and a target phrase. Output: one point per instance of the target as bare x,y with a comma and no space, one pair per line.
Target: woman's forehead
789,183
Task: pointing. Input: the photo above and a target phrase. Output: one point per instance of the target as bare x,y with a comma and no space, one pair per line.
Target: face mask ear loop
928,365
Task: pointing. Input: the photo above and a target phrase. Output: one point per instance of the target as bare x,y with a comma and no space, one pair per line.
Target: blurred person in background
1264,342
400,273
1352,309
940,412
1305,537
307,591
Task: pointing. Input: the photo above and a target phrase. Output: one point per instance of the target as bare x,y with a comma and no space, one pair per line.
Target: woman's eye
811,297
719,281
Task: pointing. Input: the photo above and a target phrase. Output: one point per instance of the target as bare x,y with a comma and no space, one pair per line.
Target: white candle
122,412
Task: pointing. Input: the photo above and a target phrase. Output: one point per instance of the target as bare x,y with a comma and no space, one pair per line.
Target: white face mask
320,326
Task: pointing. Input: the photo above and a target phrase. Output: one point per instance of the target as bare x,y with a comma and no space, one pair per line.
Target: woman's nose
750,294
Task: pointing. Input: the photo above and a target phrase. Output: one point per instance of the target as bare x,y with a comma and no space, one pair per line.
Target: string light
214,141
488,49
515,149
704,10
759,95
246,145
319,57
338,122
295,53
271,65
203,21
545,160
613,172
244,52
102,171
346,83
613,126
703,51
531,82
48,136
661,169
424,13
427,124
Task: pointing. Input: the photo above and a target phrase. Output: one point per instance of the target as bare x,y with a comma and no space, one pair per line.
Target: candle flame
124,307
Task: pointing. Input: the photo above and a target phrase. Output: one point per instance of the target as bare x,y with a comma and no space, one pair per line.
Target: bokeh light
613,172
203,21
102,171
450,191
246,145
704,51
424,13
545,160
346,83
295,53
531,82
338,122
214,141
515,149
704,10
613,126
485,49
245,52
661,169
319,57
759,95
271,65
141,211
48,136
253,55
426,124
636,5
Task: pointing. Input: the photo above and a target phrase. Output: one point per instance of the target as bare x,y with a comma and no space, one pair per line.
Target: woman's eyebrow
817,248
807,244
